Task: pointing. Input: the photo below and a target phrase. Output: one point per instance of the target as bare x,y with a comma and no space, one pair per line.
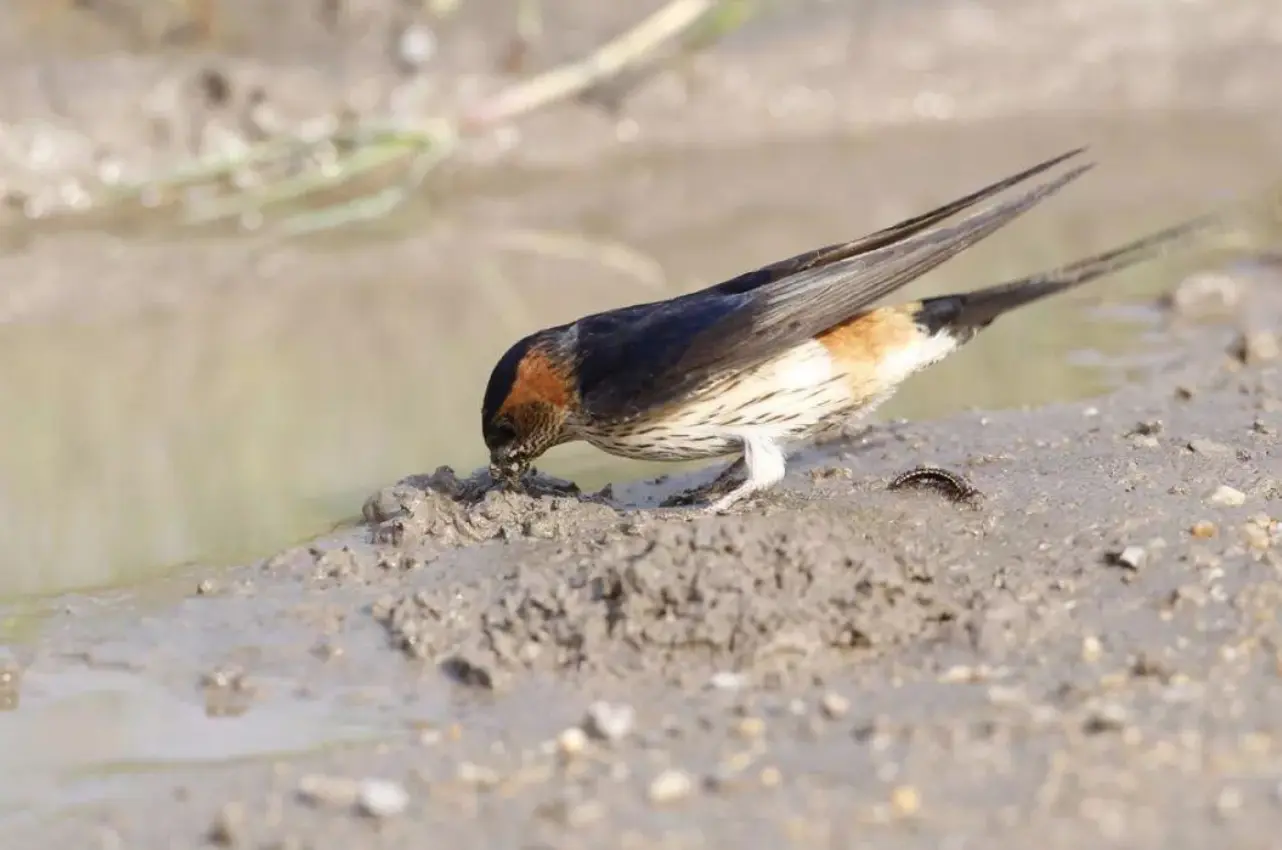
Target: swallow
748,367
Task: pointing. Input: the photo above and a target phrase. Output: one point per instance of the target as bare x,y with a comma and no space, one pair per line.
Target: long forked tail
973,311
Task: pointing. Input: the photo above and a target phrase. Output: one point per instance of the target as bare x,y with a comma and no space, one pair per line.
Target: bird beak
507,473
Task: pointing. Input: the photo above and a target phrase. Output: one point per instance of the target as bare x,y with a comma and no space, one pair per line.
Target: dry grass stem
278,183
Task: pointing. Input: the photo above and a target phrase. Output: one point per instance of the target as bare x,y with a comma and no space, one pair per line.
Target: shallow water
254,410
77,731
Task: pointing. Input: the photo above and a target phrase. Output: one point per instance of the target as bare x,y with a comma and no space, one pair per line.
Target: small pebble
731,772
1256,347
905,800
228,828
725,680
1203,529
1147,428
382,798
1007,695
834,706
1202,446
414,47
961,673
1257,536
727,777
750,727
1227,497
1228,802
471,773
573,813
1108,717
1130,557
1092,649
671,786
335,791
1205,293
608,721
10,674
572,741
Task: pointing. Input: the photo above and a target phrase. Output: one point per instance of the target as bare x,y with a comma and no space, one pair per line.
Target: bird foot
722,485
729,500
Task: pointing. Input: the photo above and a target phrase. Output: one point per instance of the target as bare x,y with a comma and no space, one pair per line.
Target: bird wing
650,355
829,254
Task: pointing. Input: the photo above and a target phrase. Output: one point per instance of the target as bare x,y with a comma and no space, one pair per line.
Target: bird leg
715,487
766,464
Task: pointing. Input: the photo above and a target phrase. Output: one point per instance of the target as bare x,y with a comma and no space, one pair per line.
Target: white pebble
608,721
381,798
572,741
415,47
725,680
1227,497
670,786
834,705
1132,557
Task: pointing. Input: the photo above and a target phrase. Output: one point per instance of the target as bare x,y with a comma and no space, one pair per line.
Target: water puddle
72,735
198,401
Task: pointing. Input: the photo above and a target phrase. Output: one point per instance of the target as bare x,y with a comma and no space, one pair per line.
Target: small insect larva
951,484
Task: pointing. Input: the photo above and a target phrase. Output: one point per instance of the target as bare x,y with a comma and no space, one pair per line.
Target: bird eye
502,433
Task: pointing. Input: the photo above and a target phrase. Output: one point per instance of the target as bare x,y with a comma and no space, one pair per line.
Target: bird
752,366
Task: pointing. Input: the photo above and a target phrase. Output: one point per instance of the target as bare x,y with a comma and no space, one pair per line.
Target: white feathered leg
764,458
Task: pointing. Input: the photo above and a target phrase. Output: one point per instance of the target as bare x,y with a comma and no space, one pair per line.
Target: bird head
527,402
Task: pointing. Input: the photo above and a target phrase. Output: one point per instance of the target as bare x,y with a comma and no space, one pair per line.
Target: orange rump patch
868,336
859,344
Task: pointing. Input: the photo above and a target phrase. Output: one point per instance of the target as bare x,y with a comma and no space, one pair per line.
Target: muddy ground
1086,655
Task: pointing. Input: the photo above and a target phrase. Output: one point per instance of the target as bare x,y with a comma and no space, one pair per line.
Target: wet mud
202,394
1088,654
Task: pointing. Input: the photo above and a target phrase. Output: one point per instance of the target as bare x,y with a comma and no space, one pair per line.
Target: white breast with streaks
783,399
